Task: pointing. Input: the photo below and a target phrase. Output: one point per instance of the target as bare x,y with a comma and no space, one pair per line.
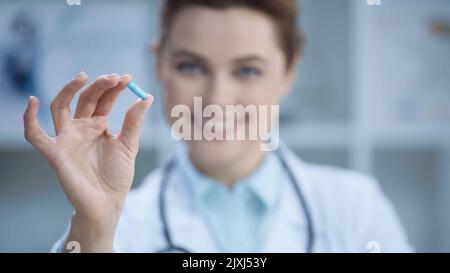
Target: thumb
132,124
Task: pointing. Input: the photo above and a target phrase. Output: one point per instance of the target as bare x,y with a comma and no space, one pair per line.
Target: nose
221,91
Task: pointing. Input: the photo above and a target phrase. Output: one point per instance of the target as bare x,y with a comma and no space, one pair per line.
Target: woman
213,196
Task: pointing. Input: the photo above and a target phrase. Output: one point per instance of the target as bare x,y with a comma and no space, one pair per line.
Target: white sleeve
378,228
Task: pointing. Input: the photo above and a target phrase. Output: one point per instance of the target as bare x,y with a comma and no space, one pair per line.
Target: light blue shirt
236,216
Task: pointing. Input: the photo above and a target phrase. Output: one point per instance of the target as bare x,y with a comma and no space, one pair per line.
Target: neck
233,170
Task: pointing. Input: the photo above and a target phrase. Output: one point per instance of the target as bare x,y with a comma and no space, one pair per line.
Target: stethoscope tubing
171,247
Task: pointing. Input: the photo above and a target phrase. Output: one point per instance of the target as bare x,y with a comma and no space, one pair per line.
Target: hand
94,168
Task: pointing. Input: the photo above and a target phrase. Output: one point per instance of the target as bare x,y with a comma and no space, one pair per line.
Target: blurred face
225,57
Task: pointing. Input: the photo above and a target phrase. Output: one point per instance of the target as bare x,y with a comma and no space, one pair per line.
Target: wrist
93,235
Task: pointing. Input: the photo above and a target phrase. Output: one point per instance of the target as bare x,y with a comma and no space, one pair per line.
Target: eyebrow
244,59
187,53
250,58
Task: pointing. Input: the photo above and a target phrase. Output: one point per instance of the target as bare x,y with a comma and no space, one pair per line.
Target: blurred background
373,95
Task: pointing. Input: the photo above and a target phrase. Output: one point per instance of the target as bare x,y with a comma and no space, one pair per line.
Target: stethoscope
172,247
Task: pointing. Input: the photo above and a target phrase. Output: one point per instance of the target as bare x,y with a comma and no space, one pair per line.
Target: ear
154,48
291,74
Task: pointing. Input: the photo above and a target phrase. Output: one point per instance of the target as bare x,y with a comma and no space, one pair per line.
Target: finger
89,98
132,124
106,102
60,107
32,130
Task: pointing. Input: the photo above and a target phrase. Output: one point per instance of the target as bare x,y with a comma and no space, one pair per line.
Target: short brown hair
284,14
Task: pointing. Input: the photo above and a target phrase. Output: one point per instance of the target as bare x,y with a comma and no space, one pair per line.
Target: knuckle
85,98
54,105
108,80
102,80
28,136
68,88
27,118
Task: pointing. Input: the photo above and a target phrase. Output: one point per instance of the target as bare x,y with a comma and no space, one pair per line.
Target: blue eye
190,68
248,72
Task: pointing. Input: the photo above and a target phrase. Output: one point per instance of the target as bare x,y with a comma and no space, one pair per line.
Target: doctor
211,196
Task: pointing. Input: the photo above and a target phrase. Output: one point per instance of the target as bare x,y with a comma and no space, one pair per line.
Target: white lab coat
349,211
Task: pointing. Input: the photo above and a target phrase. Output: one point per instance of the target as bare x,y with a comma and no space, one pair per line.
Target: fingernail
31,99
125,76
78,75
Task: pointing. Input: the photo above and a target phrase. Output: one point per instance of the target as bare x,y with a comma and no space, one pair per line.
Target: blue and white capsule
137,90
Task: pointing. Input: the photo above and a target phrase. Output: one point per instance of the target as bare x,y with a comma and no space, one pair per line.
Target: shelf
317,135
412,136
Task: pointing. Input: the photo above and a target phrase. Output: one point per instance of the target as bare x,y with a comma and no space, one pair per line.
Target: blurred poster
409,49
19,57
43,44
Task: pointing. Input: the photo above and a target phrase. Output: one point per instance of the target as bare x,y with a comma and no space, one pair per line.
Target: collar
263,182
